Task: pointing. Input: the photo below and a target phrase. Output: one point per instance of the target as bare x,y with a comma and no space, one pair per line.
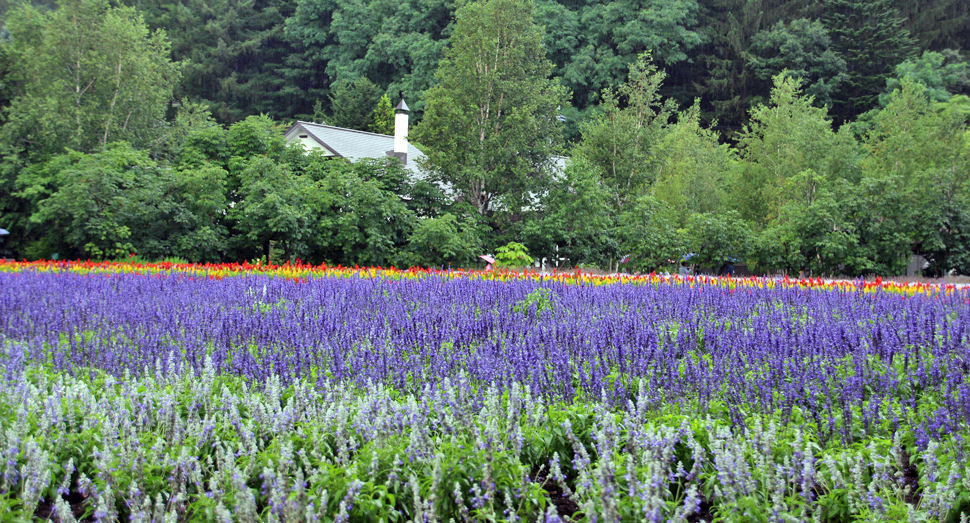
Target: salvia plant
167,395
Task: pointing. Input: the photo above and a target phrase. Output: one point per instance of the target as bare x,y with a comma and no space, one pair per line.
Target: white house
355,145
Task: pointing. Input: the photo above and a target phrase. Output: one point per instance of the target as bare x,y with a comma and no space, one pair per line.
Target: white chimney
401,130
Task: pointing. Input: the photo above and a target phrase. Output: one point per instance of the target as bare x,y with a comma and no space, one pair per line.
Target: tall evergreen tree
937,24
869,36
238,59
721,75
353,104
383,117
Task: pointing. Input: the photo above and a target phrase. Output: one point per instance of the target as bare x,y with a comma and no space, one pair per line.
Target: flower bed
331,394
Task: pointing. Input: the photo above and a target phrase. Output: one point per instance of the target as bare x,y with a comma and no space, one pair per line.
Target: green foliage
441,241
383,117
192,137
353,104
648,231
357,216
397,45
610,37
182,213
539,300
87,74
90,207
803,49
943,75
722,75
918,161
815,237
693,166
869,36
107,205
817,199
513,255
254,137
786,137
237,59
717,239
490,128
203,146
272,206
574,223
620,142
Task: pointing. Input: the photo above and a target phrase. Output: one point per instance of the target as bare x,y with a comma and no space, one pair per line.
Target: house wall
308,143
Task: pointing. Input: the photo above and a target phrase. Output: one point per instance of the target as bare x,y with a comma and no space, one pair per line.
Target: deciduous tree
803,49
490,128
620,142
693,167
89,74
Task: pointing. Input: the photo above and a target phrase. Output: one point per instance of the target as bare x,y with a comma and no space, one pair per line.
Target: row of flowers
224,393
301,271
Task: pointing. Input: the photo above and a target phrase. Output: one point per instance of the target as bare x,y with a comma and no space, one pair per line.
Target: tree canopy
490,126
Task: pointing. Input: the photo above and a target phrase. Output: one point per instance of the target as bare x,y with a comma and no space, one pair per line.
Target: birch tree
90,74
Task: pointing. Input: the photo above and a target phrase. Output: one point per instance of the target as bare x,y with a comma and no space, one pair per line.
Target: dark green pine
870,37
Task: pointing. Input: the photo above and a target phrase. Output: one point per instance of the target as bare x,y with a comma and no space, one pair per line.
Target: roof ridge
344,129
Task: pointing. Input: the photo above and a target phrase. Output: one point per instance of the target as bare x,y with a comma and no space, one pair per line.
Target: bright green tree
383,117
490,128
79,77
574,223
815,238
89,214
786,137
88,74
620,143
916,169
254,137
944,74
272,207
358,218
693,167
717,240
513,255
182,214
647,231
441,241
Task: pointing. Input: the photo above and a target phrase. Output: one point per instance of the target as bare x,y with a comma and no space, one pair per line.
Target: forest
825,138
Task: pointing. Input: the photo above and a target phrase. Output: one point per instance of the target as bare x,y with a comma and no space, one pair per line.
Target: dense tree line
284,57
768,131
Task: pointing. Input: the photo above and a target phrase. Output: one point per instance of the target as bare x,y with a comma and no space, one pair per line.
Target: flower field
295,393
